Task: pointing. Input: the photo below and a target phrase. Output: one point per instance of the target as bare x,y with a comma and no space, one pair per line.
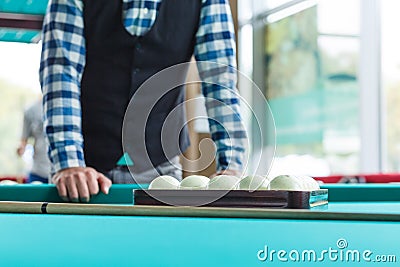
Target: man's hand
21,147
227,172
78,183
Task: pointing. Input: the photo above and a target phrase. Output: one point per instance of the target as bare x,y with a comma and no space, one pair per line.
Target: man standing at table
95,56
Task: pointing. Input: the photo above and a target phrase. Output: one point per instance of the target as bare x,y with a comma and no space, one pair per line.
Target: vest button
138,46
136,70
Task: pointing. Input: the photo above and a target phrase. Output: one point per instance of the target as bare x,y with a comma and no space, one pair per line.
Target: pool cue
167,211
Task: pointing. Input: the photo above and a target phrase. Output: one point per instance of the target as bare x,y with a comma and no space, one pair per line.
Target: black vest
117,63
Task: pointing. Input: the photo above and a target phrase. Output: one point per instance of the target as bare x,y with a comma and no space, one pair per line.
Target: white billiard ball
36,182
194,182
223,182
164,182
256,182
309,183
287,182
8,182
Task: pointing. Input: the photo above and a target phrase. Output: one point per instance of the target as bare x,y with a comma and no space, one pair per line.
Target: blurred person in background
33,128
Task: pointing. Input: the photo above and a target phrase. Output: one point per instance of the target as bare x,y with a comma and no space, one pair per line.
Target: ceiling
21,20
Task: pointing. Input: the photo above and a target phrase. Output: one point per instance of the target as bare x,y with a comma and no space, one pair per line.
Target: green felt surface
123,193
93,240
118,194
363,192
365,207
347,199
55,240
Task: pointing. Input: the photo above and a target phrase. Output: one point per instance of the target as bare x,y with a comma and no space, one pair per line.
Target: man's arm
215,53
61,69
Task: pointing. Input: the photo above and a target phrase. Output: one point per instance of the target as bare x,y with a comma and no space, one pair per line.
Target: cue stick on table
255,213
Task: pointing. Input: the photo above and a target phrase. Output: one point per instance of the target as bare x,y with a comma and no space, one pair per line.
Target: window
310,56
19,83
391,81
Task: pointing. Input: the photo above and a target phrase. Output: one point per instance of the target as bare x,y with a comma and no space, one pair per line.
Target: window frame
372,118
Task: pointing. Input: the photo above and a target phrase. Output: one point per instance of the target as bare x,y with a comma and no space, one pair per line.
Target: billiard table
360,227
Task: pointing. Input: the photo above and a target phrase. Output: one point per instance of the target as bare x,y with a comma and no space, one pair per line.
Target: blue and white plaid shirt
63,61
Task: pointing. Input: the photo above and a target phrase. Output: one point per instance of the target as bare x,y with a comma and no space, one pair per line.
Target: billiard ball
287,182
164,182
256,182
194,182
36,182
309,183
8,182
294,182
223,182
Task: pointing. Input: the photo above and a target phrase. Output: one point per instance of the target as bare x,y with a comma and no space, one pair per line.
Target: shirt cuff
66,157
230,160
